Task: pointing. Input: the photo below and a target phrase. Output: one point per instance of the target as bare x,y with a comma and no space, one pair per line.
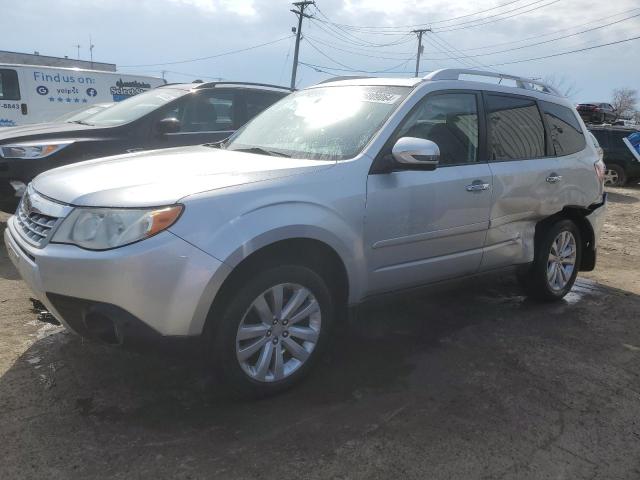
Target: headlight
32,150
105,228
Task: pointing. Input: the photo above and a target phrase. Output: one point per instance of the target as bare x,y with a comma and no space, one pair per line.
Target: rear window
9,89
564,129
516,131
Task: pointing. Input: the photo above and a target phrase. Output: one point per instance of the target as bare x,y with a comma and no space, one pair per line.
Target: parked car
621,165
168,116
82,113
595,112
338,193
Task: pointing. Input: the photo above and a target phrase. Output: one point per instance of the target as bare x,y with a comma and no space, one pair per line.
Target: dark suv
596,112
622,166
169,116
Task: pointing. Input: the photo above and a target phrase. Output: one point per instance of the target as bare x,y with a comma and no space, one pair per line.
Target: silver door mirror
417,153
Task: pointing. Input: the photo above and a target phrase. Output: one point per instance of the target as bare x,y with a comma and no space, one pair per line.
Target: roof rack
521,82
213,84
342,77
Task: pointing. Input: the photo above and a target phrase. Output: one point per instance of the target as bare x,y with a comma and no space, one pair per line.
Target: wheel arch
587,236
308,251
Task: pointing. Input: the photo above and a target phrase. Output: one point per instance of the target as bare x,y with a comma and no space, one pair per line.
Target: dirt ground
473,384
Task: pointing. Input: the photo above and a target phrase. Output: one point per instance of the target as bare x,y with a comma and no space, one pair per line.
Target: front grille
35,226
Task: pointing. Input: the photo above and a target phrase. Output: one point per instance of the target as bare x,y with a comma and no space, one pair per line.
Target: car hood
162,177
35,130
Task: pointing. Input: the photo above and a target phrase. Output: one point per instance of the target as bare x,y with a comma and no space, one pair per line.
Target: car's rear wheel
273,329
555,267
614,176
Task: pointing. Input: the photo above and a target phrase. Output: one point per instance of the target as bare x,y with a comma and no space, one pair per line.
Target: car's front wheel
273,329
555,266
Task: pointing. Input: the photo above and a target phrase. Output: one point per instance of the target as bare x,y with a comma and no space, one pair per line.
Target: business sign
123,89
633,142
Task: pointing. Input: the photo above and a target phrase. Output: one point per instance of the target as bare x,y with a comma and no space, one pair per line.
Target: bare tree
624,100
562,84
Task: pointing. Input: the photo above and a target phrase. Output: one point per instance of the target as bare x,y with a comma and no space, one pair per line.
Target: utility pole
91,45
78,47
419,32
300,13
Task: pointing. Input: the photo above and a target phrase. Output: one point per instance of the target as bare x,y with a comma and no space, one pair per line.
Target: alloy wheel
278,332
611,178
562,260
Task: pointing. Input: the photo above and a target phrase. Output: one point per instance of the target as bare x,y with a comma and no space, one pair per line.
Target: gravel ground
473,384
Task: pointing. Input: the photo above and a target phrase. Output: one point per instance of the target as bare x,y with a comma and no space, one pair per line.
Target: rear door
205,116
526,179
578,184
12,112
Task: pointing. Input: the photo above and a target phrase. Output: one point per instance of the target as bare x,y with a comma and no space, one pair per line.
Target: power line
553,39
210,56
565,53
347,66
559,54
396,30
407,27
462,26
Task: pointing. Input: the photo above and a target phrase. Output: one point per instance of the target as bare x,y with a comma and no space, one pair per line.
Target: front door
425,226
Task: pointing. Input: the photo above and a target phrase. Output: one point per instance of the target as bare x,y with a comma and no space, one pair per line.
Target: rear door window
210,112
516,131
564,129
257,101
9,87
602,137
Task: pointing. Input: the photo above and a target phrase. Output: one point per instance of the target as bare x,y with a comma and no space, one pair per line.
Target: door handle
24,109
477,186
554,178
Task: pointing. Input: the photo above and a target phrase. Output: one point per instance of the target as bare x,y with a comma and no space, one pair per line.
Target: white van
34,94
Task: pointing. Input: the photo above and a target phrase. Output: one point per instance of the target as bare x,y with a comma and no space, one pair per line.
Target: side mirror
168,125
416,153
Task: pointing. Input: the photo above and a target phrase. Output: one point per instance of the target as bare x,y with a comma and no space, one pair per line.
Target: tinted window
9,89
209,112
515,128
564,129
256,102
603,138
451,121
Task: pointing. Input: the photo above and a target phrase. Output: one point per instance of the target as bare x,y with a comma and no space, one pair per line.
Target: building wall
32,59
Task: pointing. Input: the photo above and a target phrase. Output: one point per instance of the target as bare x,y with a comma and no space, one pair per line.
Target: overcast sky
140,32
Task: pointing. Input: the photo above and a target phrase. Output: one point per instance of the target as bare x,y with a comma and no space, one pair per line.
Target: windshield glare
328,123
135,107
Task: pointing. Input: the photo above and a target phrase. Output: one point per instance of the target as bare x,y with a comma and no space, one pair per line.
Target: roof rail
521,82
213,84
342,77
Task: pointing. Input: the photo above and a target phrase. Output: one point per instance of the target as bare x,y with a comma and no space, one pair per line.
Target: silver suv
335,194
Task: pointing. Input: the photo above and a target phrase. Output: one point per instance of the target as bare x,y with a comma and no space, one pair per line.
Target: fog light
18,187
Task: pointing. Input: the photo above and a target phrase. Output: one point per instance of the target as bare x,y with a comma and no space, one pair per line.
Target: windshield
328,123
135,107
82,113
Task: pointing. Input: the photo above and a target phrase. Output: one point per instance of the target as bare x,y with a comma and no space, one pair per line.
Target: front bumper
163,282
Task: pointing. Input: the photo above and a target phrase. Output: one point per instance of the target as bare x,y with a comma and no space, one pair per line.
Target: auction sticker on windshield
381,97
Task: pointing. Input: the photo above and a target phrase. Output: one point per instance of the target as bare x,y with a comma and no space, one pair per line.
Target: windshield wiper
262,151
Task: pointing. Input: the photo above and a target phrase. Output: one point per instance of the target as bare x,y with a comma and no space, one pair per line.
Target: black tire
534,278
621,175
223,336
